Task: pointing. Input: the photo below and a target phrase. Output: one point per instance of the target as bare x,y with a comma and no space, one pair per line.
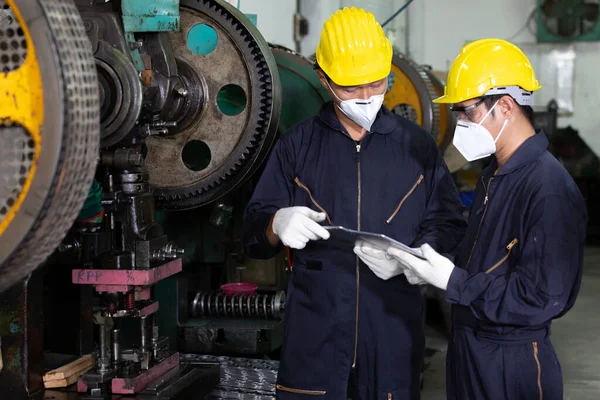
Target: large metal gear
411,94
240,95
49,134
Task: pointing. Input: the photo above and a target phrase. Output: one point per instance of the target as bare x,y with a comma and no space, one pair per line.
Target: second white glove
382,265
436,269
413,278
295,226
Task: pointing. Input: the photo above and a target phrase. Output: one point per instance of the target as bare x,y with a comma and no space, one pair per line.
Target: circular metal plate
221,149
410,94
69,136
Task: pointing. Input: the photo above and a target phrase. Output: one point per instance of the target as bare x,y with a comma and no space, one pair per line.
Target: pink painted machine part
239,288
123,281
140,382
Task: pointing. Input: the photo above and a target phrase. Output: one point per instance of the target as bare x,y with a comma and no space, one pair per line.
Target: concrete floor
576,338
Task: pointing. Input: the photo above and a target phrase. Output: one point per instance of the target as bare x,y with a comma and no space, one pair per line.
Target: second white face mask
363,112
473,140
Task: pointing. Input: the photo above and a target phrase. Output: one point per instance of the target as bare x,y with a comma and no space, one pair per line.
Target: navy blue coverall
520,268
339,317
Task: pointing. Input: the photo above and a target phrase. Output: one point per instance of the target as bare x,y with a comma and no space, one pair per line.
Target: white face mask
473,140
363,112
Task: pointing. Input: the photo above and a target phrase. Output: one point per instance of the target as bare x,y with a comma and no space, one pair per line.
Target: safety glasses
466,113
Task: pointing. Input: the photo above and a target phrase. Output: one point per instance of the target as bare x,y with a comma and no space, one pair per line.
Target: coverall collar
384,123
529,151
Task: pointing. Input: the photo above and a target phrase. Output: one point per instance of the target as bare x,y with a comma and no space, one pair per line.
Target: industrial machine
111,110
411,91
132,134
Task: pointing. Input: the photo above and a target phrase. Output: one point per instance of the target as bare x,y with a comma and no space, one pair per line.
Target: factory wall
437,35
437,29
275,19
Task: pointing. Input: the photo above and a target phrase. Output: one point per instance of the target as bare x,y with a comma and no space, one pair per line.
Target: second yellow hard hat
487,64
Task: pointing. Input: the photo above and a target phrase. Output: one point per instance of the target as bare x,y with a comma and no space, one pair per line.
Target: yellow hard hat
489,66
353,49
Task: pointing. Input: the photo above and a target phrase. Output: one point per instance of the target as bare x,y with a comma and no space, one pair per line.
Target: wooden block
58,383
67,370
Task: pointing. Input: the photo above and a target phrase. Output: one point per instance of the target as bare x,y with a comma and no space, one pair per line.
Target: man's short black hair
317,67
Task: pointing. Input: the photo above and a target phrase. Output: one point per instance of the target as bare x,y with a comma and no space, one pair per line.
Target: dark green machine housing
567,20
303,93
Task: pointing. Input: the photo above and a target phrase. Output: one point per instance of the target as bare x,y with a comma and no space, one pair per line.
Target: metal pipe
116,348
296,39
407,33
103,350
144,333
104,360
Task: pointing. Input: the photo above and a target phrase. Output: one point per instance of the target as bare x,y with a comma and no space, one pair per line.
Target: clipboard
344,237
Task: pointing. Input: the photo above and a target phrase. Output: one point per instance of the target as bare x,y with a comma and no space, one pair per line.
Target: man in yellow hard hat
359,166
520,264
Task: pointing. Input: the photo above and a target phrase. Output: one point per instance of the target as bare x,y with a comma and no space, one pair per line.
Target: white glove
436,270
295,226
411,277
382,265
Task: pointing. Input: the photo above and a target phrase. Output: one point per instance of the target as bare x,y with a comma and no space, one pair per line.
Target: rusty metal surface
237,143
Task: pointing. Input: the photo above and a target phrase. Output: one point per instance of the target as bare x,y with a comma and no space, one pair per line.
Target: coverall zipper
357,157
417,183
300,391
539,367
499,263
303,186
485,201
357,258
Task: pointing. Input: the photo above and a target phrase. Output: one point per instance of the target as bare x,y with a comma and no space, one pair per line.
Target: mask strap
488,113
501,130
330,88
341,101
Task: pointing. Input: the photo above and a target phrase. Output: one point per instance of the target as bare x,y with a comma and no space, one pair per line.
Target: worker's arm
547,278
273,192
443,225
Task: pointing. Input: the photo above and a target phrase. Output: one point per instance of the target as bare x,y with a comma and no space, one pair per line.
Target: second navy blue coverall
520,267
339,317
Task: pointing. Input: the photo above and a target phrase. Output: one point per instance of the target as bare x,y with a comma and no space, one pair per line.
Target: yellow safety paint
22,102
403,92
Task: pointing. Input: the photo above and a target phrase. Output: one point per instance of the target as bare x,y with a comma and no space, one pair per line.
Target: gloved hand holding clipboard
344,237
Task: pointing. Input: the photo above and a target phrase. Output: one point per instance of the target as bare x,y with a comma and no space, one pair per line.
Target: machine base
190,380
236,336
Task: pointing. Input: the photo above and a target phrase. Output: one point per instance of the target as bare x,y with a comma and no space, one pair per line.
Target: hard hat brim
358,80
447,100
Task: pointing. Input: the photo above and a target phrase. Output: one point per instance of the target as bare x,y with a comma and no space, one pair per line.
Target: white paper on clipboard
347,237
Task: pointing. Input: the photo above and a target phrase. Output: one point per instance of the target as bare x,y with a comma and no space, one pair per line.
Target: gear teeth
260,133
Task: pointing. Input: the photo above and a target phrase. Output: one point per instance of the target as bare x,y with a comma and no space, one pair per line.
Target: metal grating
407,111
16,156
241,378
13,46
